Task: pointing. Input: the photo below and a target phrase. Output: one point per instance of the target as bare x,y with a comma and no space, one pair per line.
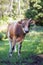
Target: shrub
30,13
35,11
2,35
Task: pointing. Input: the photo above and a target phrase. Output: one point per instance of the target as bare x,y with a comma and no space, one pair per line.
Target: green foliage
3,7
28,8
14,11
2,35
4,20
4,1
35,11
31,13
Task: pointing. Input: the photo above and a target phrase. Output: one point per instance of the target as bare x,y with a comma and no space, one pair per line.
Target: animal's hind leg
15,48
12,47
19,48
10,50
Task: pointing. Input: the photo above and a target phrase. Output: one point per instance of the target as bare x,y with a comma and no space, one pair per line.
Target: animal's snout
27,31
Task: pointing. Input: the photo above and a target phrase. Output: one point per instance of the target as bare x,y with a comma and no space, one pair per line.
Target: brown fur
17,31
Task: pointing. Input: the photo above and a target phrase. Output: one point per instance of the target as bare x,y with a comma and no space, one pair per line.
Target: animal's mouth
27,31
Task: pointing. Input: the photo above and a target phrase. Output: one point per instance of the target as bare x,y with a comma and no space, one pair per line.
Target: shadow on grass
37,28
4,42
27,58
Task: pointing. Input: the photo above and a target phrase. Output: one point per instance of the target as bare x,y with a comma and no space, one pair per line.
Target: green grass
32,45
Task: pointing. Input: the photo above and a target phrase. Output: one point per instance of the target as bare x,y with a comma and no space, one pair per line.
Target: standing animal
16,33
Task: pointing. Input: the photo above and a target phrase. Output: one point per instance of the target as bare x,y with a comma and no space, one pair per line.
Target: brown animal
16,33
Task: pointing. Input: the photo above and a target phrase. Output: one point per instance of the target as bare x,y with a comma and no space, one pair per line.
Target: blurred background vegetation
20,9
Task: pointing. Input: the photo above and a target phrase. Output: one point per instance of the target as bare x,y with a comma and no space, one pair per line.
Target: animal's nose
27,31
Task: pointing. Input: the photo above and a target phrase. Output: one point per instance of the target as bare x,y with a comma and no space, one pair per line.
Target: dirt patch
37,60
34,60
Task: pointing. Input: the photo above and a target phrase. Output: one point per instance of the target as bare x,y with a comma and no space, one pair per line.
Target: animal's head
26,24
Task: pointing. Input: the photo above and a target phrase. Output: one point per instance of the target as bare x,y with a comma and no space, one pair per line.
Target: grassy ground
31,52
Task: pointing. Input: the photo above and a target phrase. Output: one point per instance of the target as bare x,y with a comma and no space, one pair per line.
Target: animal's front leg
10,50
19,48
15,48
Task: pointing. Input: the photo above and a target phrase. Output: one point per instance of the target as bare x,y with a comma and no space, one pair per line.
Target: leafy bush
3,20
2,35
30,13
35,11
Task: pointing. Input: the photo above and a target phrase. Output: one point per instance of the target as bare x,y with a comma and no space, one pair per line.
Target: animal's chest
19,31
16,31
